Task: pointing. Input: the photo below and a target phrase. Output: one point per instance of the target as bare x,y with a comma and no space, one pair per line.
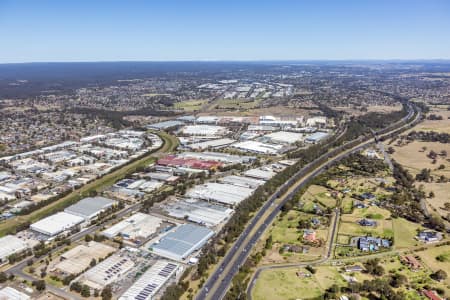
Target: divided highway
218,283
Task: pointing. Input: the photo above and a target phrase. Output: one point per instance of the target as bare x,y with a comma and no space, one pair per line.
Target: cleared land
405,233
429,259
284,284
441,196
190,105
436,125
414,158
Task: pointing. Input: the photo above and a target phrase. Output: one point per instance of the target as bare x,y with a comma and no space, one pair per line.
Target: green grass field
190,105
404,233
9,226
284,284
347,205
285,229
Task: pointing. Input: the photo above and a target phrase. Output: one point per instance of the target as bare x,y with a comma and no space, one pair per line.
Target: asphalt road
218,283
17,270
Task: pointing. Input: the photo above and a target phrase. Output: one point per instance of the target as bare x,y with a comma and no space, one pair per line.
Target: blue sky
32,31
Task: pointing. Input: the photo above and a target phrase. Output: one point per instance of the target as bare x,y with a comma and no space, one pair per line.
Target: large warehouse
242,181
89,208
107,271
10,244
258,147
198,211
206,130
220,192
136,228
78,259
283,137
182,241
146,287
57,223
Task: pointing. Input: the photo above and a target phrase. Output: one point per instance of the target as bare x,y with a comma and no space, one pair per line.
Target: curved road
218,283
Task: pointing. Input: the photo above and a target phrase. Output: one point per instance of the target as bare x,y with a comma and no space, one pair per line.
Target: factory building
89,208
9,245
146,287
181,242
56,224
220,192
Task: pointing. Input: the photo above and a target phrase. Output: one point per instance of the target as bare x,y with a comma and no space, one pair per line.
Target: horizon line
238,60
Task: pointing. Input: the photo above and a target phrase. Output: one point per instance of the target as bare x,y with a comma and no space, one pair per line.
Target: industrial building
221,157
9,293
316,137
283,137
242,181
258,147
217,143
56,224
181,242
205,130
194,163
165,125
78,259
89,208
136,228
10,244
260,173
220,192
199,211
146,287
107,271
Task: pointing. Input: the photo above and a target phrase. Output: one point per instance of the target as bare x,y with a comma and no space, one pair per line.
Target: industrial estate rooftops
198,211
56,223
90,207
217,143
222,157
107,271
151,281
77,260
284,137
260,173
9,293
208,130
258,147
242,181
220,192
137,226
10,244
165,125
182,241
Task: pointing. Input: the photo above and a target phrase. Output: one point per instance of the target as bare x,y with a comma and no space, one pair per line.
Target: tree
87,238
397,280
269,242
447,205
85,291
39,285
431,194
3,277
93,262
439,275
106,293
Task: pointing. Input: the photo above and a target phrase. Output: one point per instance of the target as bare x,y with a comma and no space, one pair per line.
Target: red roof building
431,295
174,161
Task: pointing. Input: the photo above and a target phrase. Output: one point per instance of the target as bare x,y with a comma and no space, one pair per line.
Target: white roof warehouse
9,245
57,223
89,208
148,285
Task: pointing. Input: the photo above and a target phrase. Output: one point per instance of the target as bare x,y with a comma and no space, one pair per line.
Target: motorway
218,283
